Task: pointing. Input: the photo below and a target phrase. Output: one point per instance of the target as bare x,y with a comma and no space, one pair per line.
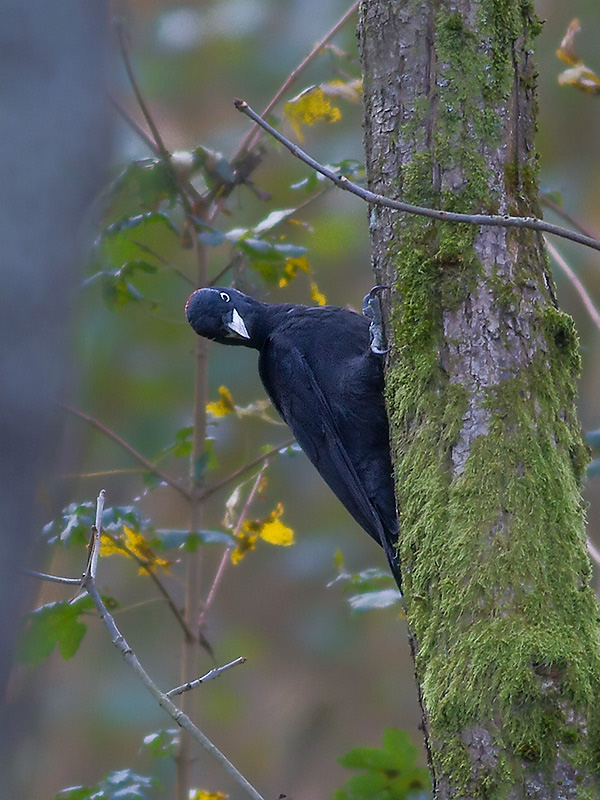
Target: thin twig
246,468
150,467
576,283
44,576
134,124
94,546
160,145
162,699
494,220
213,673
545,200
225,558
146,566
186,190
251,137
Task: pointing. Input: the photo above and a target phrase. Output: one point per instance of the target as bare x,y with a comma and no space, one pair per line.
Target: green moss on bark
519,656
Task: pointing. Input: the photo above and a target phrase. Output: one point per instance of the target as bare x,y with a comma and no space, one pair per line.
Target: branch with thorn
87,585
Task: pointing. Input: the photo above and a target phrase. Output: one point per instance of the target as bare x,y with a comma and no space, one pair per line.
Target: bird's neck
265,320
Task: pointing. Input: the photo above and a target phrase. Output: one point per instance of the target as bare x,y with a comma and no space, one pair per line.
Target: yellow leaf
223,406
292,265
134,543
277,533
271,529
202,794
566,51
309,107
244,544
582,78
316,295
110,548
578,75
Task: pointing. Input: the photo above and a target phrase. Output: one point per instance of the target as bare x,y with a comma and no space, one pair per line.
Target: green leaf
351,168
120,233
270,250
181,447
75,523
309,184
273,219
117,289
146,182
163,744
216,168
123,784
189,540
212,238
131,239
50,625
206,461
370,601
390,771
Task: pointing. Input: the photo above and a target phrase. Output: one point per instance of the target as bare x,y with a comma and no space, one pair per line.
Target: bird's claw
371,307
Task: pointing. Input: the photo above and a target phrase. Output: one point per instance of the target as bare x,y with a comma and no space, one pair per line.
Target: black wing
321,429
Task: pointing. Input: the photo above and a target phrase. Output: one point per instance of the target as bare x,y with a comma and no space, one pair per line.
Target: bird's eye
224,296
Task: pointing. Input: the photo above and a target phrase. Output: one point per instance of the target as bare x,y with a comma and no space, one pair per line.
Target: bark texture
488,453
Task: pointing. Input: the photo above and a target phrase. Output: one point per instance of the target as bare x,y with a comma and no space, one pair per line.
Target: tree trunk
480,383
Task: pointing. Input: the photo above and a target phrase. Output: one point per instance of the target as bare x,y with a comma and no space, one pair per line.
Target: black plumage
321,374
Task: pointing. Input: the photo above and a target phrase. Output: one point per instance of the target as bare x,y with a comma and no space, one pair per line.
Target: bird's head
221,315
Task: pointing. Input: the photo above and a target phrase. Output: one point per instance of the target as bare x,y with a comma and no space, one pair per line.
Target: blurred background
319,680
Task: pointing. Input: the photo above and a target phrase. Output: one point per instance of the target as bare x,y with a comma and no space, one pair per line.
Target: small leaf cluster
578,74
388,773
52,625
123,784
368,590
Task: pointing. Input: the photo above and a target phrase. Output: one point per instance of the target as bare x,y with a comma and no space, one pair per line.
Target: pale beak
237,325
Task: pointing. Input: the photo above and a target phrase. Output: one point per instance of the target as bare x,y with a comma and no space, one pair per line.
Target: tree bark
480,387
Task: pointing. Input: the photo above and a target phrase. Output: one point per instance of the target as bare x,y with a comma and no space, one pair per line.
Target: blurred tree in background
318,681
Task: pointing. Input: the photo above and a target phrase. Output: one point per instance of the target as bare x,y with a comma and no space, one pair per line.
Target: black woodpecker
322,369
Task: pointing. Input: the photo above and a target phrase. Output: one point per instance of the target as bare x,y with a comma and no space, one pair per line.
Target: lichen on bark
481,391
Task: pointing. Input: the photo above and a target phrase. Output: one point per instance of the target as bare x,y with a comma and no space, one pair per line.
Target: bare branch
577,284
246,468
44,576
95,541
172,482
494,220
149,141
225,559
213,673
147,567
546,201
119,641
187,192
162,699
160,145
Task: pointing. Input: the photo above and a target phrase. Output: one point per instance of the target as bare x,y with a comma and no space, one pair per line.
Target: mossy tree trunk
481,397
